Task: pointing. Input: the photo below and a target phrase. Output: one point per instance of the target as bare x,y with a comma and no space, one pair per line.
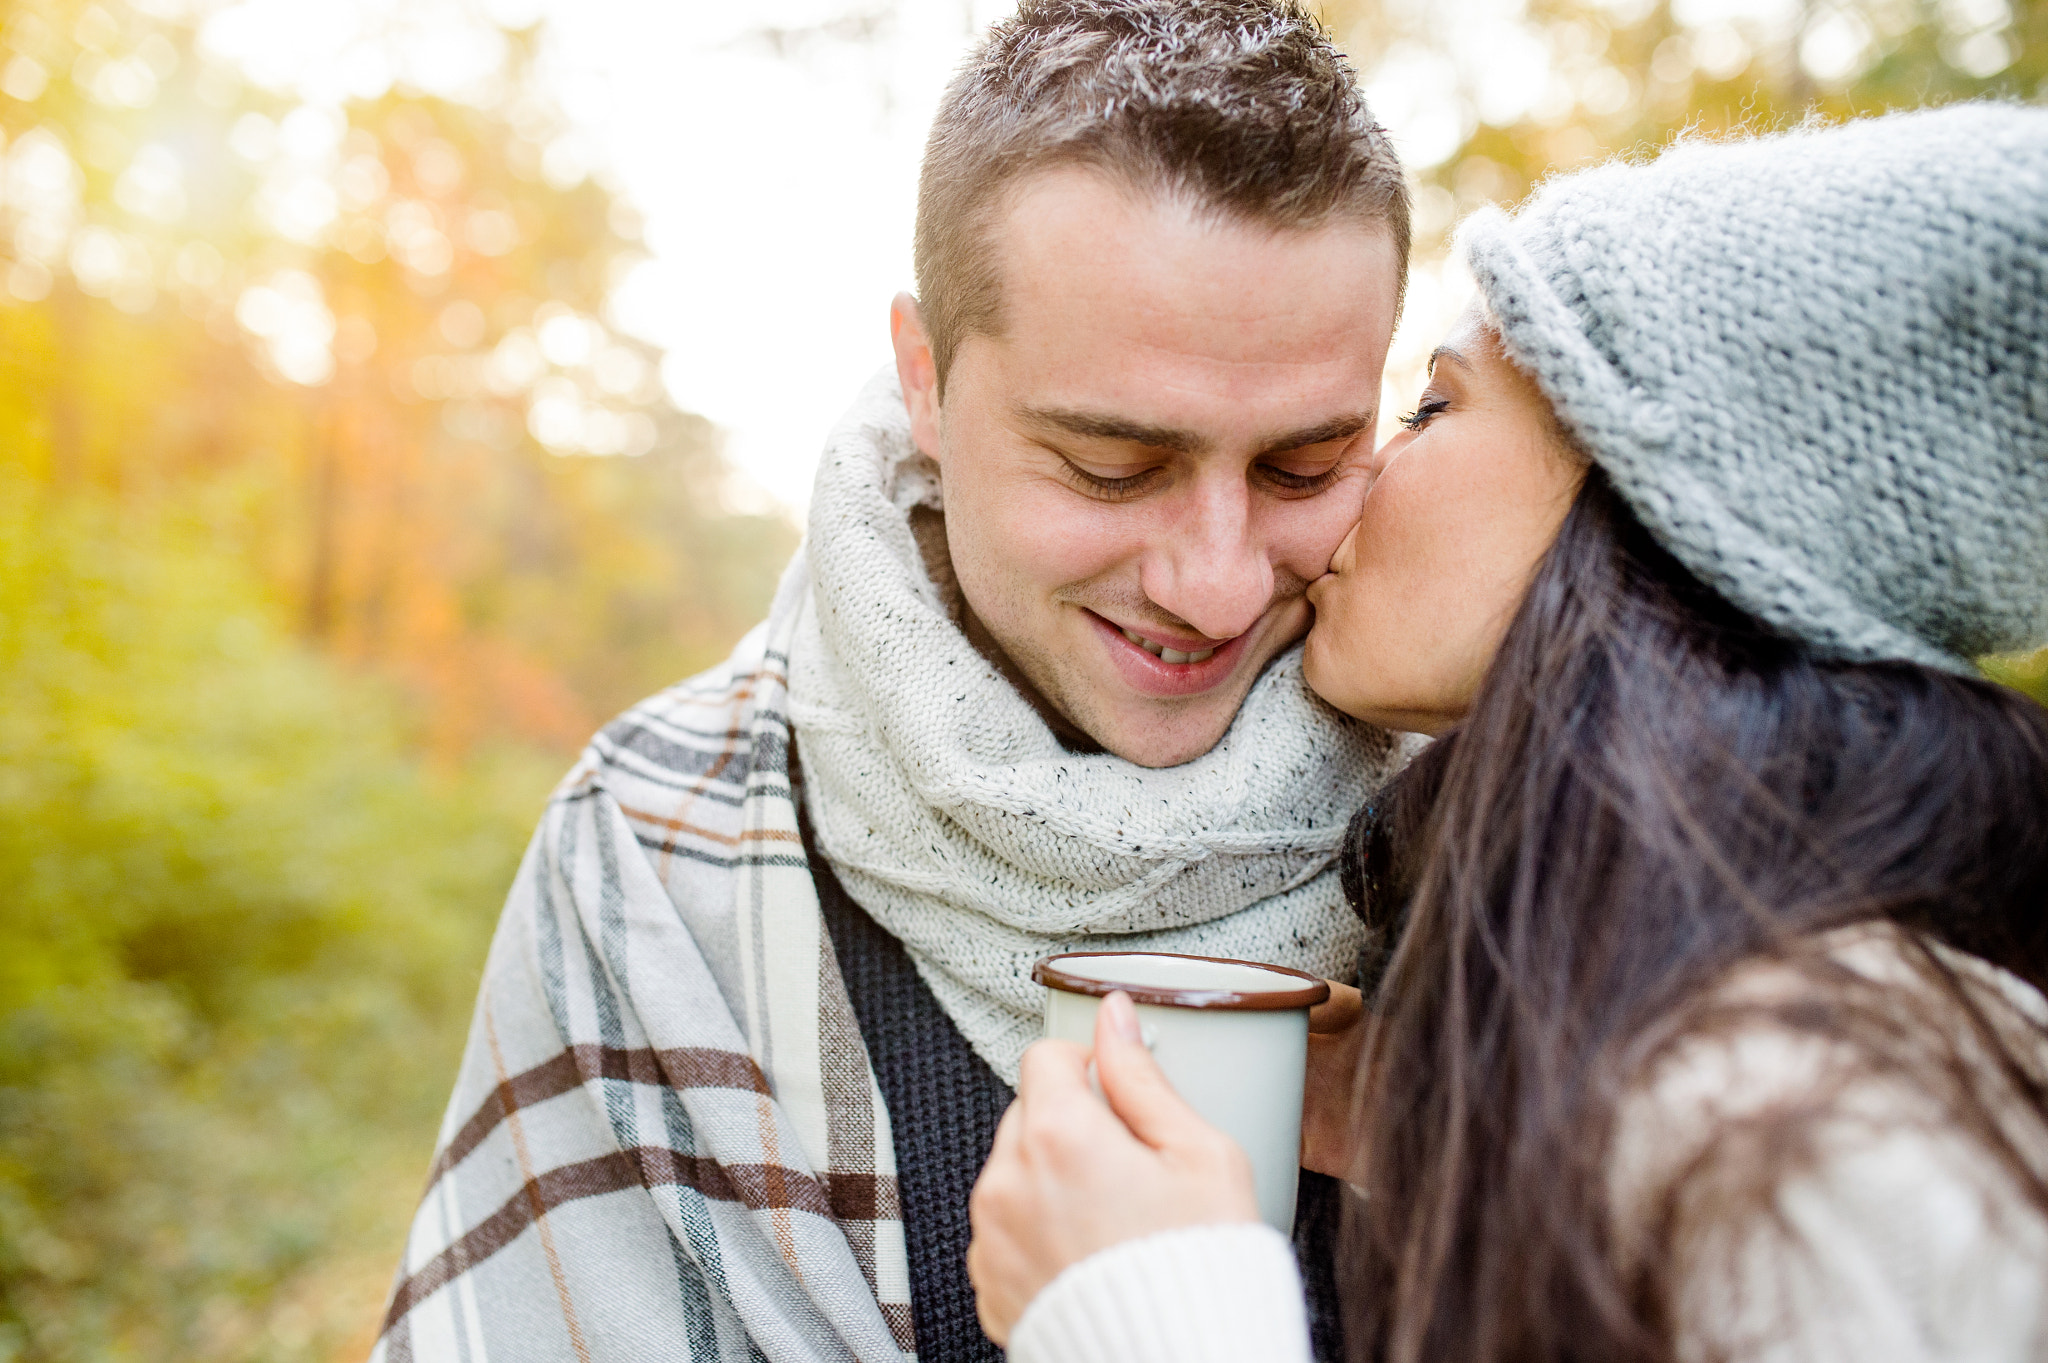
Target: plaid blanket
666,1141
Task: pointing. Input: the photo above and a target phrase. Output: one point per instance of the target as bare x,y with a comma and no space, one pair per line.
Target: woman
1720,907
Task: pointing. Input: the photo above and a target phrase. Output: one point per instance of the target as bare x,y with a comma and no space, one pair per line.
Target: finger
1339,1012
1137,1089
993,1298
1008,1133
1060,1109
1050,1069
987,1293
994,1325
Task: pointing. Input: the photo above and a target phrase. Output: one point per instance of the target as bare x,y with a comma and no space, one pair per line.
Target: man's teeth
1168,655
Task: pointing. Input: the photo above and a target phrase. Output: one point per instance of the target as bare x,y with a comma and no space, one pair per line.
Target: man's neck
929,528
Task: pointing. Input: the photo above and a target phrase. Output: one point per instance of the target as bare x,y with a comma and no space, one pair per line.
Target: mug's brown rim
1313,991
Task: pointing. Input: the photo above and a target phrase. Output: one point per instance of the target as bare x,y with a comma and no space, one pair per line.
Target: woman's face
1458,510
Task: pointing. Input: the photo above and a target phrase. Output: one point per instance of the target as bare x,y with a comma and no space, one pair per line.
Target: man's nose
1207,566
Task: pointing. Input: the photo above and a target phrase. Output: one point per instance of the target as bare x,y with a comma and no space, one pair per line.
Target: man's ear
916,371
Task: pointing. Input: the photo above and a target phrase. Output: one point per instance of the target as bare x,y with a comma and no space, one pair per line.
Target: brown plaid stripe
692,1068
758,1186
667,840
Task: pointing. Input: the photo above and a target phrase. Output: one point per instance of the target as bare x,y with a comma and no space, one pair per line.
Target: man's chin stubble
1072,736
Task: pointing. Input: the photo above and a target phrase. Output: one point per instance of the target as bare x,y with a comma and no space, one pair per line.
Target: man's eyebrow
1100,426
1444,352
1322,433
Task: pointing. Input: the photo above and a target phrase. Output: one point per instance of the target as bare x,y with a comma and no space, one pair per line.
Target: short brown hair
1244,107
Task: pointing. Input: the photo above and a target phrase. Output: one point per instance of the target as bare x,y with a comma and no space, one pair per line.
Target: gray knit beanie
1815,365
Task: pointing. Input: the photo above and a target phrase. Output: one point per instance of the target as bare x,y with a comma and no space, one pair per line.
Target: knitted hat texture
1814,364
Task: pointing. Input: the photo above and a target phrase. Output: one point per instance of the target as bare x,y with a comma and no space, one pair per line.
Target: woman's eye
1422,415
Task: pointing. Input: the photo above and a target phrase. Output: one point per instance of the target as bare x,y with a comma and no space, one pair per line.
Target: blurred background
391,390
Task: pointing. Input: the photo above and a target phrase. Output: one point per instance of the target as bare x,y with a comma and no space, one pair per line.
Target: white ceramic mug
1231,1036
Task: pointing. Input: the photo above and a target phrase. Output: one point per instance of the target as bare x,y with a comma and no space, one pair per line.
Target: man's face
1163,448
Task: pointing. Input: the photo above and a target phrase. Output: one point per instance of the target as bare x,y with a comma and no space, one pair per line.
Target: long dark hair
1650,791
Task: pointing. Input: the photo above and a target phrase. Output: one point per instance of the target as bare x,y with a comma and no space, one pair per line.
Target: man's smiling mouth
1157,669
1165,654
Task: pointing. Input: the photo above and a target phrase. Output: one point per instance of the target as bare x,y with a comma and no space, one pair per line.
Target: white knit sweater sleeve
1202,1294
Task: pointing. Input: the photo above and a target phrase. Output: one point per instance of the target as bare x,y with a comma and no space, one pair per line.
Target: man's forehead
1132,319
1076,236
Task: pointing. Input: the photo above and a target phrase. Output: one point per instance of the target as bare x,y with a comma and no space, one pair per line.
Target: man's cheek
1306,550
1063,544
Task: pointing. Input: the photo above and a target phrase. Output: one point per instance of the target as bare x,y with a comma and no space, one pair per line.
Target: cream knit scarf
957,820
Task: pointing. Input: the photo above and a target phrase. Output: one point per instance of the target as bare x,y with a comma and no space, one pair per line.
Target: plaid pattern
666,1141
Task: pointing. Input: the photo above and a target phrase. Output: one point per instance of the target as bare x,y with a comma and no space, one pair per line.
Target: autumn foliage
376,331
333,518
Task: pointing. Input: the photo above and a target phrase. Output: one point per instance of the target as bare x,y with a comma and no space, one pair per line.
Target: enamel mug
1231,1036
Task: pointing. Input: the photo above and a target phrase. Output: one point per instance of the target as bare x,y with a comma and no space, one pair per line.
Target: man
749,1019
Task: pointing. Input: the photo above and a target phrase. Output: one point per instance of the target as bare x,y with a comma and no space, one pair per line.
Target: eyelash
1302,482
1121,489
1420,417
1109,489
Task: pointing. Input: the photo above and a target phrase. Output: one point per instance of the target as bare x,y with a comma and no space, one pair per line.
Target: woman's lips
1205,664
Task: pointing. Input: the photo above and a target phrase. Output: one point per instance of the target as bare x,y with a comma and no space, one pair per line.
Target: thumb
1137,1089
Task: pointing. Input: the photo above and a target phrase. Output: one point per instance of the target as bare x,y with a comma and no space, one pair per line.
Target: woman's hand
1336,1036
1071,1174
